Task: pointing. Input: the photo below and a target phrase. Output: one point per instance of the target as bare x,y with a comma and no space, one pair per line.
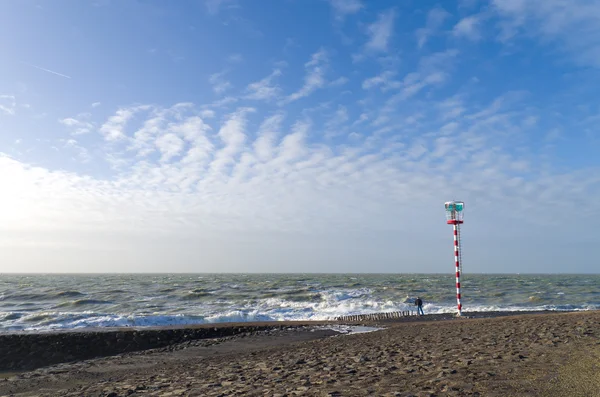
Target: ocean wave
41,317
82,302
305,297
191,295
271,310
27,297
240,316
69,294
157,300
11,316
93,320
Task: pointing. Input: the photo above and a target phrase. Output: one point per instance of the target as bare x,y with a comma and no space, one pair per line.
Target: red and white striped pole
456,227
454,217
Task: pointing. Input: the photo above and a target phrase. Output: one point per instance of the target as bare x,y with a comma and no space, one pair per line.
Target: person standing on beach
419,304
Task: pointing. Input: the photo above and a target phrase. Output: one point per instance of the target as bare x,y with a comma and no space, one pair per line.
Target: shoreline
29,350
337,320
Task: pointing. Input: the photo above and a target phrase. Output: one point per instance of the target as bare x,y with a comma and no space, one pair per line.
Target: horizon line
295,273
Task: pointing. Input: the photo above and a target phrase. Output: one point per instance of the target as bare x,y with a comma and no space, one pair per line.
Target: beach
551,354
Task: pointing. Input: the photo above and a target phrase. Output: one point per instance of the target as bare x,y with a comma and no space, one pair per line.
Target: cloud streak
573,27
264,90
381,31
315,75
468,27
435,18
342,8
47,70
8,104
219,84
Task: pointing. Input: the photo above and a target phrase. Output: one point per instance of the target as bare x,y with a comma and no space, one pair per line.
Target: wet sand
546,354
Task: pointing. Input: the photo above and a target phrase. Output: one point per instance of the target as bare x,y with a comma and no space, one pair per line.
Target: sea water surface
46,302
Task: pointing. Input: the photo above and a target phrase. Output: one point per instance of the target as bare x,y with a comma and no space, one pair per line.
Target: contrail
48,70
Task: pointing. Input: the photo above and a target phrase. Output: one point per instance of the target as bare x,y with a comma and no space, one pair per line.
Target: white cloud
438,61
572,26
451,108
315,75
553,135
223,102
215,187
384,80
207,113
96,104
232,136
435,19
79,124
195,131
264,145
342,8
381,31
8,104
356,174
361,119
113,128
433,70
214,6
293,145
337,123
81,153
191,129
318,58
145,140
530,121
219,84
264,90
468,27
467,4
69,122
235,58
169,145
414,83
340,81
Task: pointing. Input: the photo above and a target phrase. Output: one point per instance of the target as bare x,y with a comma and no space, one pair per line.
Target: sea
45,302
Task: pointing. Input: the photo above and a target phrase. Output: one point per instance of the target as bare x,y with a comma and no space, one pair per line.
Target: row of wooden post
376,316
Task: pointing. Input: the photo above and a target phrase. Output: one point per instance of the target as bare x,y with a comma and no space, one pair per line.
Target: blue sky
298,135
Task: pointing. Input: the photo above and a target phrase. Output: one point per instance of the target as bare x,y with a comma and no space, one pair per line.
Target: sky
299,135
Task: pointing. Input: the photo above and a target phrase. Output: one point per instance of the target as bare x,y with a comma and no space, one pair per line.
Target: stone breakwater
28,351
411,316
376,316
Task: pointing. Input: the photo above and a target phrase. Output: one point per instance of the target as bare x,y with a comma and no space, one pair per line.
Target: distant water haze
46,302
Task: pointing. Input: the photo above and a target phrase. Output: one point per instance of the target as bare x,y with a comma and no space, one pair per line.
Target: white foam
323,305
274,310
350,329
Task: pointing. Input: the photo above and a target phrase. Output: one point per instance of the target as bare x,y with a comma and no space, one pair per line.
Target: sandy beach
546,354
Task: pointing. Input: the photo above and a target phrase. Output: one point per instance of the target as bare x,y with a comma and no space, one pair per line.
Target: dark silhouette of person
419,304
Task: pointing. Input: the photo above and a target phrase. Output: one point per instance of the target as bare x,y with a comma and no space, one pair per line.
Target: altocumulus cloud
333,168
178,177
